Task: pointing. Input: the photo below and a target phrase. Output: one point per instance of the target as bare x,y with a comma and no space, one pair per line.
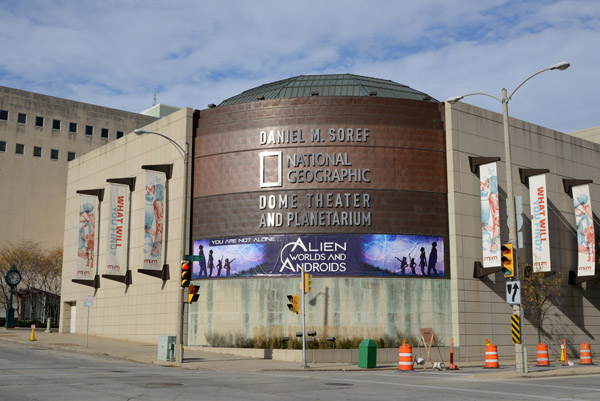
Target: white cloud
115,53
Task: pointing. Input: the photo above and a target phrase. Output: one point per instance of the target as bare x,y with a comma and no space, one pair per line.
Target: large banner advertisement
320,255
490,215
88,209
154,220
586,261
118,214
539,223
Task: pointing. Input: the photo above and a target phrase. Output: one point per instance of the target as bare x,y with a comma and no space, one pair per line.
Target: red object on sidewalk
452,365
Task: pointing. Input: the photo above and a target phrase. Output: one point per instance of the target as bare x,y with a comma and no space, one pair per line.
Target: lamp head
563,65
139,131
454,99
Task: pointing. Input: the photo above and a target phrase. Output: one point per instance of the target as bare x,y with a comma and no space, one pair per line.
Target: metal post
87,327
181,299
521,366
304,364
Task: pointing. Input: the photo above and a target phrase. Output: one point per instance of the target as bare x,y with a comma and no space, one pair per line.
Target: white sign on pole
88,301
513,292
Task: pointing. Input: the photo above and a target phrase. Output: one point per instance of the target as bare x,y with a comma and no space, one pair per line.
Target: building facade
39,136
366,184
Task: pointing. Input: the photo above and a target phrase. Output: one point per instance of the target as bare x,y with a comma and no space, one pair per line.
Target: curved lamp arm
183,152
563,65
455,99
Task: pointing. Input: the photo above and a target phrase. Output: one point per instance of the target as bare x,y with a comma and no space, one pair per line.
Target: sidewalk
197,359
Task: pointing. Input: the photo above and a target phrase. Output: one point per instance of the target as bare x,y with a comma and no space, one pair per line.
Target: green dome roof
328,85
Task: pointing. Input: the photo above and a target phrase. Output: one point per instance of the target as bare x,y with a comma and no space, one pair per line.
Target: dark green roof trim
328,85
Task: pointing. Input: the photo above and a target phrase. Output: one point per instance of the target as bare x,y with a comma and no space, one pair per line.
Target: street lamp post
520,351
180,300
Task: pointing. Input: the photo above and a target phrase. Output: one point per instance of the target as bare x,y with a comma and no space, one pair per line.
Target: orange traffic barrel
491,356
585,356
405,357
542,355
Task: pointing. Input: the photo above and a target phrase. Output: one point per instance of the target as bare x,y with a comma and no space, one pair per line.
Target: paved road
31,373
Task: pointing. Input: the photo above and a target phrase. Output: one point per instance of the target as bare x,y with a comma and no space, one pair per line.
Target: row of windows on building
37,151
56,125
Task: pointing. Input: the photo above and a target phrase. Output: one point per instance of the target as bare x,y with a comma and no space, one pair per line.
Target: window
55,124
20,149
104,133
119,134
37,151
2,146
72,127
70,156
4,115
39,121
22,119
89,130
53,154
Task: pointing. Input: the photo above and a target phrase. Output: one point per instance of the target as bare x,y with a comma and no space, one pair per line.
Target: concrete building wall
480,310
589,134
148,307
33,188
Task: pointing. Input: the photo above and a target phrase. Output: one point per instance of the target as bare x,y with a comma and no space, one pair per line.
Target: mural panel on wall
321,254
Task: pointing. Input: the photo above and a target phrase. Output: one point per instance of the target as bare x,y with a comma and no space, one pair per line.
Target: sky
117,53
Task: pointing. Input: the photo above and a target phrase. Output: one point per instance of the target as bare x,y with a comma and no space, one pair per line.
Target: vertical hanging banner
154,219
539,223
86,245
490,215
586,250
116,229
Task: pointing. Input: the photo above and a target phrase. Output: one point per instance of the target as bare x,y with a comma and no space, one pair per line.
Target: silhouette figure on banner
211,263
219,266
422,261
403,264
202,260
432,259
228,266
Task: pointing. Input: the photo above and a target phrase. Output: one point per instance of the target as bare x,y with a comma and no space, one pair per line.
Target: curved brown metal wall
404,153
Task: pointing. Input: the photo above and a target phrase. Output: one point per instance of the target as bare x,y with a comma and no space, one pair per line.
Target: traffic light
193,293
307,283
508,260
186,274
295,303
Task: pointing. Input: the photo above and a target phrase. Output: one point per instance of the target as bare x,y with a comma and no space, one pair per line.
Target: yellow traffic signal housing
193,293
508,260
186,274
295,303
307,283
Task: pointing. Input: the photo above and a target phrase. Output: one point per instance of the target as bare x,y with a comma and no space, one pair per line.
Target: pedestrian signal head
508,260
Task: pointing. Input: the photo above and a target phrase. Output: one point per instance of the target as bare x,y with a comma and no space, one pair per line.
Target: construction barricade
542,355
585,354
491,355
405,357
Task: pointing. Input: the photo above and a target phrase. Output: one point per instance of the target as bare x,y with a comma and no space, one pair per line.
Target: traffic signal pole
520,349
302,283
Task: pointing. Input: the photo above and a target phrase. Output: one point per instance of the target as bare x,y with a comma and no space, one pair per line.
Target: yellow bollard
32,338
